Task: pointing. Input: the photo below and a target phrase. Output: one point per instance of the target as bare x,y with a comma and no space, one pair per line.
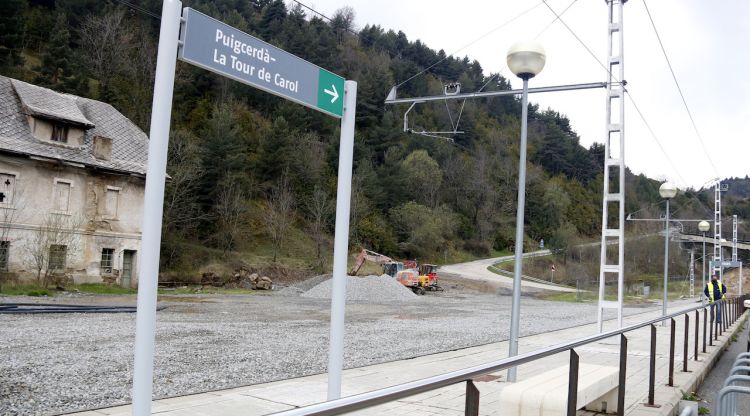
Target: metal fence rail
726,401
732,309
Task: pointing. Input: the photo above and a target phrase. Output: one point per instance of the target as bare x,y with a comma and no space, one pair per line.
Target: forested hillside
252,173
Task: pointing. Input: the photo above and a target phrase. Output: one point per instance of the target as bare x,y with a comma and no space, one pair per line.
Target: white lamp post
525,59
667,191
703,226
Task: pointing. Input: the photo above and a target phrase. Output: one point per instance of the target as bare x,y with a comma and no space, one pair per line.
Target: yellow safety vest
711,291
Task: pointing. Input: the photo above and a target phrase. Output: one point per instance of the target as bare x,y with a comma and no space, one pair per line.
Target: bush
477,247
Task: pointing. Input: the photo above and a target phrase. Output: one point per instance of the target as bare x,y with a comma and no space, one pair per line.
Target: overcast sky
706,41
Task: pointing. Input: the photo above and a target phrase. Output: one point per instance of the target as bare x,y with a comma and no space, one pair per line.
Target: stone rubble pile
241,278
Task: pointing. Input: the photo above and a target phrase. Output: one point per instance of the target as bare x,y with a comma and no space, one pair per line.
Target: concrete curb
669,397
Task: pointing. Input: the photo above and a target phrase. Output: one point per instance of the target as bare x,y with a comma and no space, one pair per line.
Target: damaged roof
44,103
19,99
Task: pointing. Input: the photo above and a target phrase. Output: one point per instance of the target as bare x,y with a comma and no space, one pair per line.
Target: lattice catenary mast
716,268
614,157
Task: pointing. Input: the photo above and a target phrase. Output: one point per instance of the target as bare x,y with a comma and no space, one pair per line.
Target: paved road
477,270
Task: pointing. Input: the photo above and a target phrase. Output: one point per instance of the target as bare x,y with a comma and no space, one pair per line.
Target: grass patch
24,290
586,297
195,290
102,289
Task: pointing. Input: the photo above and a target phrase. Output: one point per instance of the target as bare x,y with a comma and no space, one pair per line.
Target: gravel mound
371,289
298,288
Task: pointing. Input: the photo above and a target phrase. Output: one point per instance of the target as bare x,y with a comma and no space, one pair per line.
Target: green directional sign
218,47
330,92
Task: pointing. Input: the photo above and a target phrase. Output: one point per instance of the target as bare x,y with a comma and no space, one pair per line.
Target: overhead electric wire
322,15
139,8
679,89
630,97
557,17
632,100
507,22
653,135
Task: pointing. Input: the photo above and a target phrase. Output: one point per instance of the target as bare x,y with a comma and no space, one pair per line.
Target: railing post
652,367
472,399
684,348
573,384
705,314
697,324
671,352
711,327
623,369
727,321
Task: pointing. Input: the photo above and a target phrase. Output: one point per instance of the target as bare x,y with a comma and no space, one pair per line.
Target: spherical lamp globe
704,226
526,59
667,190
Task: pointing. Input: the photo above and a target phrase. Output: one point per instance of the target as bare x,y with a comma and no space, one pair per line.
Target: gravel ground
371,289
61,363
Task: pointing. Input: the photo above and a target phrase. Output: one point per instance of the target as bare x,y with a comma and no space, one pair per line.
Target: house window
59,133
7,188
111,202
57,255
4,252
62,195
108,255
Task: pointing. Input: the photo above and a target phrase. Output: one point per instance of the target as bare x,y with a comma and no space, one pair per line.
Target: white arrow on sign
334,94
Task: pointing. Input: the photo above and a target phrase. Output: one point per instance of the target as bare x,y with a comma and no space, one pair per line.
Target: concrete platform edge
669,397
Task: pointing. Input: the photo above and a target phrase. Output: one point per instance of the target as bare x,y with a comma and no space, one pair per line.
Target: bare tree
230,205
51,244
10,213
343,22
318,209
140,73
180,207
278,215
105,44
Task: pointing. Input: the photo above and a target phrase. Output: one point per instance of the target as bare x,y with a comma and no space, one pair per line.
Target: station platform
269,398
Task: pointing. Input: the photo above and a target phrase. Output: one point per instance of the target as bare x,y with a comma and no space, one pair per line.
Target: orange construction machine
418,278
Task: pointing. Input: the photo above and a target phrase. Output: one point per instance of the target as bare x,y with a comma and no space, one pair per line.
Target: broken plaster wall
99,222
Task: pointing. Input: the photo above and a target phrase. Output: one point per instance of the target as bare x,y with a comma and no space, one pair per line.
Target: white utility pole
692,274
156,171
614,157
734,238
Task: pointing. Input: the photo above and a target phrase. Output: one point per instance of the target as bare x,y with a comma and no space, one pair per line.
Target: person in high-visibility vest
715,292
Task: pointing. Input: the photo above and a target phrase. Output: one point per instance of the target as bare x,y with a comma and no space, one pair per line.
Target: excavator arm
371,256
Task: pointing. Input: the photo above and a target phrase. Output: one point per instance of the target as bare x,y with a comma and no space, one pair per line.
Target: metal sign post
341,243
217,47
161,114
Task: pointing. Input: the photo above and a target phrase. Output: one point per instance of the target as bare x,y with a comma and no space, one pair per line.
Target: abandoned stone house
72,178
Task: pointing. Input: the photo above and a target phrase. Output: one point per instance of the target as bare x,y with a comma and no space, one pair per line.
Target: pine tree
11,32
55,68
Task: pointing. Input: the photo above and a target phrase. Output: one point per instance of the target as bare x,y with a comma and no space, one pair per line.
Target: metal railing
726,401
731,309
